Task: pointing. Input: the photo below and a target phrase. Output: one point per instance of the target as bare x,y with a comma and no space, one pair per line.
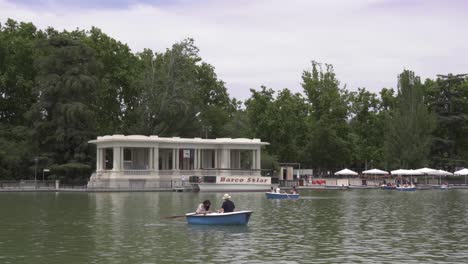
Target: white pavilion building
141,162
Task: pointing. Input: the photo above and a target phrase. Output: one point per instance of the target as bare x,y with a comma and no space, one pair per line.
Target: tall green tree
180,94
116,96
280,120
64,115
328,138
409,127
447,97
366,125
18,42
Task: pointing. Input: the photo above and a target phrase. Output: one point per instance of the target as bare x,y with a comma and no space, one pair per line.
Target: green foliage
64,115
269,162
328,138
180,95
280,121
367,128
447,97
17,53
70,171
408,132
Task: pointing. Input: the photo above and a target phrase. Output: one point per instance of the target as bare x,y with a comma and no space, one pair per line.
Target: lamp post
35,172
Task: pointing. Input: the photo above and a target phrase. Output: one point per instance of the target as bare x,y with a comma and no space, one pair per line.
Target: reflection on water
371,226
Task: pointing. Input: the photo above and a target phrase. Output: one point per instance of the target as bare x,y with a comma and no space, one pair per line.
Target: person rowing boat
227,206
204,208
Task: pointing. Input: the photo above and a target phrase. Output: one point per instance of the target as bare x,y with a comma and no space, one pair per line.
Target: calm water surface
358,226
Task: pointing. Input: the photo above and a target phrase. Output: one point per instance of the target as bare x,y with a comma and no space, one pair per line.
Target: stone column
150,159
116,159
98,159
225,158
195,159
259,161
174,159
216,159
254,160
200,158
177,159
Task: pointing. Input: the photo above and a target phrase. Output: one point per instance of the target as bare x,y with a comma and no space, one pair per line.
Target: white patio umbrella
462,172
398,172
442,173
346,172
375,171
406,172
427,171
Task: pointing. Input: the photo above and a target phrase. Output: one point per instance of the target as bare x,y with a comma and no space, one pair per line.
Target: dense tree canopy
58,90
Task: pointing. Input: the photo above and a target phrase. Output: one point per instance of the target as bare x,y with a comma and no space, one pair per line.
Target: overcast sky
270,42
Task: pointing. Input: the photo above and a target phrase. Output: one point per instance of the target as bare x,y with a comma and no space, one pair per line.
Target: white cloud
271,42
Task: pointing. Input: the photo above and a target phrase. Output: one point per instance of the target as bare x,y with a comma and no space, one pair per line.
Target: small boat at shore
272,195
388,187
232,218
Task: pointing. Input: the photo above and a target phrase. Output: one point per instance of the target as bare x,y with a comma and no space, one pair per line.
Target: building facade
136,161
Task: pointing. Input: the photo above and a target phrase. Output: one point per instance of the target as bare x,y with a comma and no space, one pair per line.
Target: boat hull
388,187
406,189
212,187
270,195
234,218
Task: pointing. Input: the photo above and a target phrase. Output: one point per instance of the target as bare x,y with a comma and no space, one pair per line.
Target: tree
66,83
180,94
366,128
18,43
408,128
116,97
447,97
328,143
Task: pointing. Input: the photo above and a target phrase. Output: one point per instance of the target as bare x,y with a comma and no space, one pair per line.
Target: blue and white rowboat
233,218
271,195
406,189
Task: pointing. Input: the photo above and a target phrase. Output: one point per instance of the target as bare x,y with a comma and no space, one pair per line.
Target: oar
173,216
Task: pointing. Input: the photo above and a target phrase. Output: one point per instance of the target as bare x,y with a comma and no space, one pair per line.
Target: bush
70,171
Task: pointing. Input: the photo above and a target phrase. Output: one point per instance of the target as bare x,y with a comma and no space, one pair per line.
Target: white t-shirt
201,209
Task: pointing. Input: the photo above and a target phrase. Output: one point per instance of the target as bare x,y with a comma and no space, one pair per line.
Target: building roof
157,139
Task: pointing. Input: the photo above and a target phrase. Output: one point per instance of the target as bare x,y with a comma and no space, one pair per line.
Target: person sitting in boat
293,190
204,208
278,190
272,190
227,206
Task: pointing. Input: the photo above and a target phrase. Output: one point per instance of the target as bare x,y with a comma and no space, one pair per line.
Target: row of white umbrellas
422,171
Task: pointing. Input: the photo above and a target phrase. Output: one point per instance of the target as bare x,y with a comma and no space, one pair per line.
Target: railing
140,184
27,184
197,172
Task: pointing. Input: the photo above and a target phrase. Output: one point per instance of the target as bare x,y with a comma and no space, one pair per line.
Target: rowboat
271,195
406,189
232,218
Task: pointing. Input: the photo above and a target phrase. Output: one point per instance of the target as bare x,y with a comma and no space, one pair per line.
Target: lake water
358,226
